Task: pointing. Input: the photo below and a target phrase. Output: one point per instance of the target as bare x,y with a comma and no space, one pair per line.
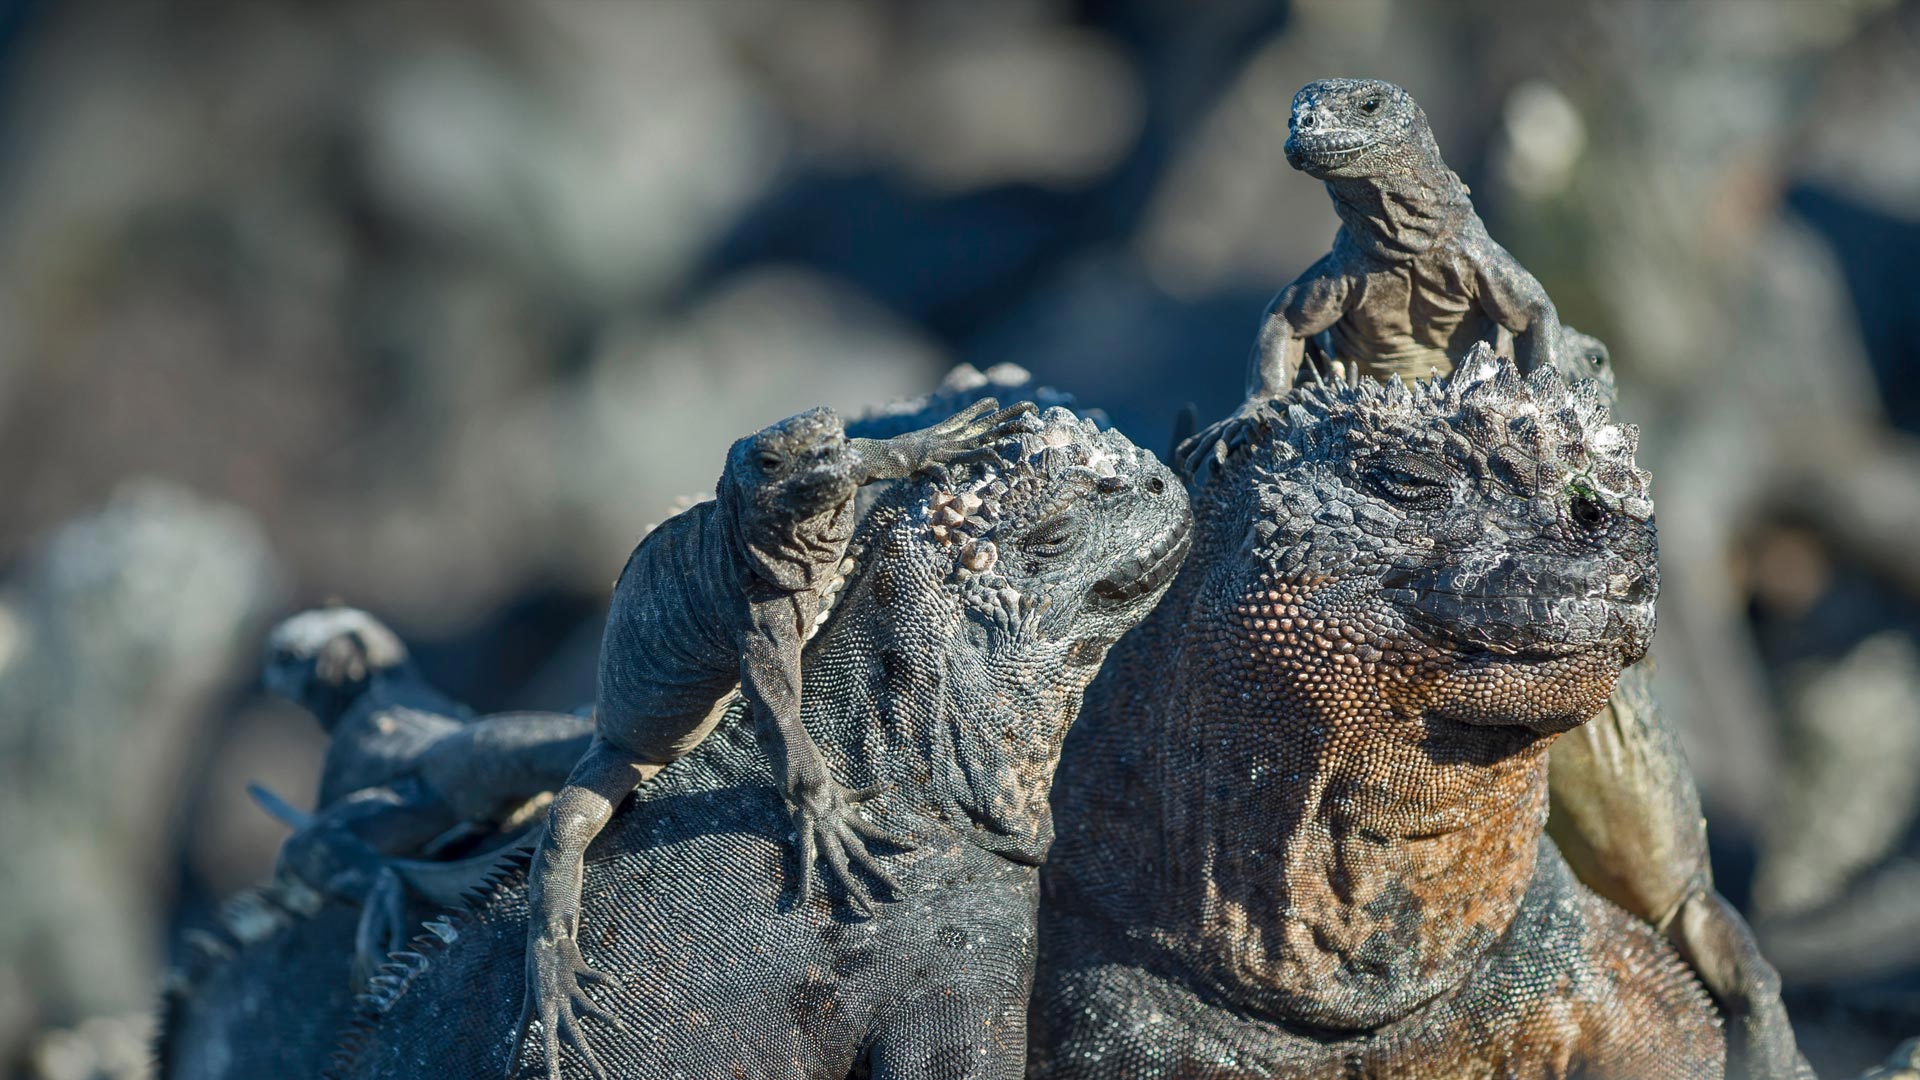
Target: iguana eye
1410,477
1597,360
1051,539
1372,105
770,460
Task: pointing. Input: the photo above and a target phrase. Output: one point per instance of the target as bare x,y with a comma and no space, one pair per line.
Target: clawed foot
555,977
830,827
1222,439
974,429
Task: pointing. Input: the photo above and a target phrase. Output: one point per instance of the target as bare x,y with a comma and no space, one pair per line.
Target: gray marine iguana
1413,279
408,772
726,594
981,601
1301,826
417,799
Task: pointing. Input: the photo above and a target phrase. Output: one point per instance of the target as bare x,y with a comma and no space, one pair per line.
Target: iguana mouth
1326,148
1146,570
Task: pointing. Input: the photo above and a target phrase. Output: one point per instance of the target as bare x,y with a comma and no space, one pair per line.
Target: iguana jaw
1531,608
1147,571
1335,123
1322,150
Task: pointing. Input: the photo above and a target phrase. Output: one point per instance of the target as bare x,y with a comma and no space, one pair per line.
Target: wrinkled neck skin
961,725
1401,215
1325,851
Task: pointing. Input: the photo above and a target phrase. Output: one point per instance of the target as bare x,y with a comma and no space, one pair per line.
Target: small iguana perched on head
407,771
723,594
981,602
1413,279
1301,830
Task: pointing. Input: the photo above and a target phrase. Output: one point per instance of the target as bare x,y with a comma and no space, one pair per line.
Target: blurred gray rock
115,637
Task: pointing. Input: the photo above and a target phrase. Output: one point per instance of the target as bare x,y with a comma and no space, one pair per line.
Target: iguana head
1359,129
1068,529
986,597
1583,356
1479,548
794,469
324,658
789,484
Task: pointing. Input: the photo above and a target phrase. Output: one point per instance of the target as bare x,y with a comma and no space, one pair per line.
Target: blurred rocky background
434,307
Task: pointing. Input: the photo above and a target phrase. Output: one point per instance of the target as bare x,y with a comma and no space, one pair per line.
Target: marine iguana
417,798
1412,282
1413,279
1301,828
407,772
1626,815
726,593
982,600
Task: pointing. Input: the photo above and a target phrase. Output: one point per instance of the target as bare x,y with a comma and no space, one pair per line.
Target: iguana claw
831,829
382,927
1221,439
973,430
555,977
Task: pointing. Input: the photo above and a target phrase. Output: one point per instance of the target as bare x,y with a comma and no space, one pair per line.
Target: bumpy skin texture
1301,829
1626,814
981,602
1413,279
727,592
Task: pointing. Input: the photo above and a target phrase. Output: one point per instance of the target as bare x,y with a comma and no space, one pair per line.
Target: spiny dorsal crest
1485,411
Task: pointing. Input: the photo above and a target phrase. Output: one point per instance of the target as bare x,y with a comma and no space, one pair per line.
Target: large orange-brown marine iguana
1301,831
1412,282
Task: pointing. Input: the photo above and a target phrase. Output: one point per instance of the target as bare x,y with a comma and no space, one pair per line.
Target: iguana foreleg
825,820
556,971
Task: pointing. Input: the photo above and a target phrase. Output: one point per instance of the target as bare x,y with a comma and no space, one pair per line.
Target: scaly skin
418,797
408,773
1626,815
1412,282
1413,279
980,603
1301,829
726,592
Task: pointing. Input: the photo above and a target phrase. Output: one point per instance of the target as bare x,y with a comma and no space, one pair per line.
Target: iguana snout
320,658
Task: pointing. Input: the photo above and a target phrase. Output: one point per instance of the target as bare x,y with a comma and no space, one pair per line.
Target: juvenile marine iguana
1413,279
726,593
417,796
981,602
1626,815
1301,829
406,771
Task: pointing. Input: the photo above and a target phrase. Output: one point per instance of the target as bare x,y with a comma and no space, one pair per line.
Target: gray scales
274,981
947,678
724,595
1412,282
